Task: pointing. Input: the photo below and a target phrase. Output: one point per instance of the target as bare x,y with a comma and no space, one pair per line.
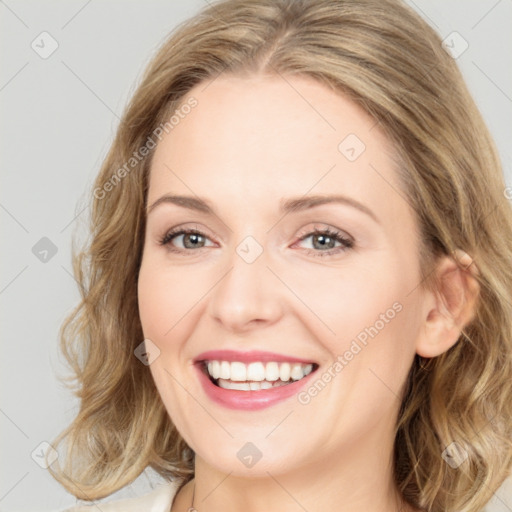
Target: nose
248,295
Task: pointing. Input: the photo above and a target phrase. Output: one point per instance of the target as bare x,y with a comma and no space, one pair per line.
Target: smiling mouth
255,376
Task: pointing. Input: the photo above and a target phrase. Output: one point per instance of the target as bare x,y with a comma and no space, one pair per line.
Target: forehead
251,141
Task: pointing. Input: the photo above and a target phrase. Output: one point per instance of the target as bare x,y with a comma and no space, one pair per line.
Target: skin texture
249,144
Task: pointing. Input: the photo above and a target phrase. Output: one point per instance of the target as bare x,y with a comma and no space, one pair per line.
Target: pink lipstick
251,380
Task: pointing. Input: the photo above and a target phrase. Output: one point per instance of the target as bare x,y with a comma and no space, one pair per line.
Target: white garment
158,500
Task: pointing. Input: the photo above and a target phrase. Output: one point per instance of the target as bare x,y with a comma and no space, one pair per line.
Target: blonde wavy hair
391,63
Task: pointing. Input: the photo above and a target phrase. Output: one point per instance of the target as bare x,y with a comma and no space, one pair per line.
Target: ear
451,306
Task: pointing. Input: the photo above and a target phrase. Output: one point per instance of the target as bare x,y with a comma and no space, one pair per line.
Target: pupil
324,238
192,236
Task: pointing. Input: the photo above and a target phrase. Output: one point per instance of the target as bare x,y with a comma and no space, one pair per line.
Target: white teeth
256,371
256,375
225,371
238,371
284,371
229,384
296,372
216,369
249,386
272,371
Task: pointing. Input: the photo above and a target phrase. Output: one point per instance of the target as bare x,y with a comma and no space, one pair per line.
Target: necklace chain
191,508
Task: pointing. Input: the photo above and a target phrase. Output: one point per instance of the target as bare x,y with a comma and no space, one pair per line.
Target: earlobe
451,307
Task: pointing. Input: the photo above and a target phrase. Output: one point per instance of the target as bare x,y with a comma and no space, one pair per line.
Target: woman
212,343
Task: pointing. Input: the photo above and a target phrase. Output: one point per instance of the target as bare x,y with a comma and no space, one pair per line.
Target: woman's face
257,163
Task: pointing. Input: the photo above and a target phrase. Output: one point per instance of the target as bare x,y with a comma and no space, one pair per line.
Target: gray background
58,118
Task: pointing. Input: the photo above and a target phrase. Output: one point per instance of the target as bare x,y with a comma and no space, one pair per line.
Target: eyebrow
286,206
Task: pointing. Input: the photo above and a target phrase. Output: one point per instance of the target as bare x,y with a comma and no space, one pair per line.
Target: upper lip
248,356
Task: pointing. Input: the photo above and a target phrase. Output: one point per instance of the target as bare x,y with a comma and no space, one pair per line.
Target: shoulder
158,500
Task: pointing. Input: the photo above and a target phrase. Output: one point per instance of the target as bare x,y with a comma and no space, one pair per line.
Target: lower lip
249,400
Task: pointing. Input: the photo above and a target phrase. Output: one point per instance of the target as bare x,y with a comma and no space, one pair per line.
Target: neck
350,482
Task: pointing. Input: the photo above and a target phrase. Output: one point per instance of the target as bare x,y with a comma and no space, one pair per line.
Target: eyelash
337,236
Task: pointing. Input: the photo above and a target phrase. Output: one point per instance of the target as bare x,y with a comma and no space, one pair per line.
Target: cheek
367,313
348,300
163,305
166,297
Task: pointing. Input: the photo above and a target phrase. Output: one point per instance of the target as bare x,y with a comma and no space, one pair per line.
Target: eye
324,242
190,238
